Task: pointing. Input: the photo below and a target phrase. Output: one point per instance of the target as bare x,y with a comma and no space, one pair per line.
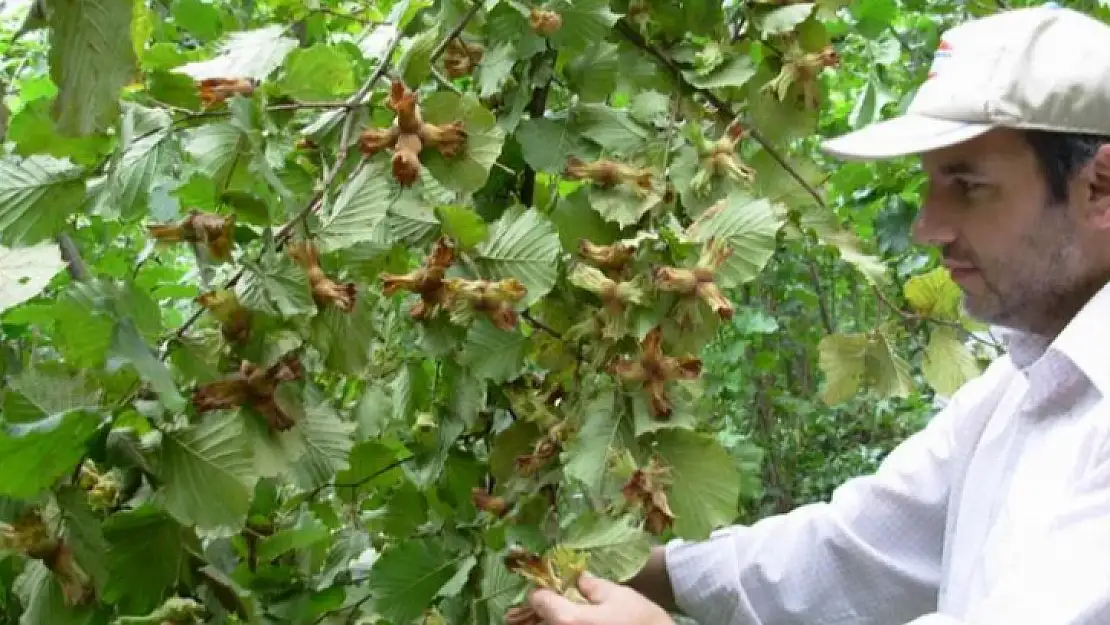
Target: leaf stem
442,47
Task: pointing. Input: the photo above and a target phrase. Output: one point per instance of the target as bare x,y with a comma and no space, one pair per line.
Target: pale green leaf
43,601
145,555
500,585
26,271
412,221
91,59
706,484
493,354
209,474
605,427
273,452
245,54
34,455
784,19
650,107
416,64
947,363
935,295
359,213
735,72
495,68
468,171
219,150
36,394
841,358
621,204
320,72
291,539
522,245
749,227
37,194
83,535
146,136
407,577
618,548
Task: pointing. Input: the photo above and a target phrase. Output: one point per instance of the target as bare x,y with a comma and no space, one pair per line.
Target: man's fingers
595,589
553,608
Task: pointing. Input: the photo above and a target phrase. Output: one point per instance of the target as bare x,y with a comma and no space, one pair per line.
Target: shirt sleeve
1062,579
870,555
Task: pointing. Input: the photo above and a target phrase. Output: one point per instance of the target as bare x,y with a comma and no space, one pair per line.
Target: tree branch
536,107
77,268
286,231
724,111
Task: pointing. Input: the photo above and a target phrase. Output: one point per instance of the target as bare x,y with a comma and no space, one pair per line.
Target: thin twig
911,316
826,319
541,325
442,47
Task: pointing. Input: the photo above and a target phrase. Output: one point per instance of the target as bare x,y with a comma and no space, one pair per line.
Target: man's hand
611,604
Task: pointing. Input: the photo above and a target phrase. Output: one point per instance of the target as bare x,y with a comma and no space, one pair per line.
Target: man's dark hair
1061,155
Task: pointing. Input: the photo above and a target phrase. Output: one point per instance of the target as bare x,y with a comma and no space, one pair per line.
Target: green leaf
749,227
947,363
622,205
36,196
209,474
320,72
34,131
359,213
327,442
546,144
523,244
407,577
91,59
605,427
276,286
618,548
593,75
468,171
493,354
463,225
706,484
416,64
576,220
935,295
34,455
784,19
219,150
245,54
612,129
272,451
584,22
500,585
129,345
495,68
292,539
26,271
145,556
367,468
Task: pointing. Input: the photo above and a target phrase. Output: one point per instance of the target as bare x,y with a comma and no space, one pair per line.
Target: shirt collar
1084,341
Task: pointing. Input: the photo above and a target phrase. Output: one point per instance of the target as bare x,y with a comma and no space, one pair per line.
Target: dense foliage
337,312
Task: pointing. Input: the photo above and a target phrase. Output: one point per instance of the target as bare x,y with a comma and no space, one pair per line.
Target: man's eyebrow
957,168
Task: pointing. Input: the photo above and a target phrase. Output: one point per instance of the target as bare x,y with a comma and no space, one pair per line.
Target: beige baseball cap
1045,68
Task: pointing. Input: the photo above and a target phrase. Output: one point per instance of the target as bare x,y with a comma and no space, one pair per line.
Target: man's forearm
653,581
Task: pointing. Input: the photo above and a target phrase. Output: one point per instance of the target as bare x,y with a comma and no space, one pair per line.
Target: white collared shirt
996,513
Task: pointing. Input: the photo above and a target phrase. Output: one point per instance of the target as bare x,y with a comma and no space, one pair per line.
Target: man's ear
1099,188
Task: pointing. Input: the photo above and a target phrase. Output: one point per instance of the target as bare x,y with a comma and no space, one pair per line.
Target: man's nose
933,225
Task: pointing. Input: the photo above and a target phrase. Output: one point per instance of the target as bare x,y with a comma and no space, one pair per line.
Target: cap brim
902,136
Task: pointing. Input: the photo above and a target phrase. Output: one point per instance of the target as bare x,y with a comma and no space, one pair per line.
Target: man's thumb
552,607
595,589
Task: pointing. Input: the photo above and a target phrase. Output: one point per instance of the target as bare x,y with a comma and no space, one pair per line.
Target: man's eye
967,187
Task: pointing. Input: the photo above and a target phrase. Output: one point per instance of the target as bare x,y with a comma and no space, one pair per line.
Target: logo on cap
943,53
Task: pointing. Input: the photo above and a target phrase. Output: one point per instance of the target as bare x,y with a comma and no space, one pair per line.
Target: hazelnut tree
336,312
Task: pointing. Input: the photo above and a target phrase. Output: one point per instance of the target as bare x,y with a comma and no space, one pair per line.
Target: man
998,512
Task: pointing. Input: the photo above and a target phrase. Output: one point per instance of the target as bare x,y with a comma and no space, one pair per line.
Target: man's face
1021,260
